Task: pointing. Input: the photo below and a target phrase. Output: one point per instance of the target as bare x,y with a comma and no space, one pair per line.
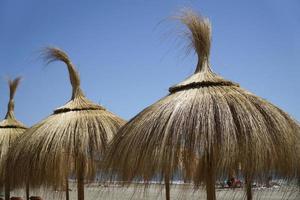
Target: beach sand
156,192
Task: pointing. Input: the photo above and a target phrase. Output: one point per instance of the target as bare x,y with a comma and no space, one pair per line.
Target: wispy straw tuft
13,85
199,34
52,54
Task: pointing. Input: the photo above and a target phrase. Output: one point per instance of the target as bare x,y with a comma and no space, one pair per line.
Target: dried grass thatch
205,128
71,141
10,129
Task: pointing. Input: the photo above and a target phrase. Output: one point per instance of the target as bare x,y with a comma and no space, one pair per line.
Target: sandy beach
156,192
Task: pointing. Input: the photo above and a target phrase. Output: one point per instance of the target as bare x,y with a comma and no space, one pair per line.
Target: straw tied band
64,110
199,85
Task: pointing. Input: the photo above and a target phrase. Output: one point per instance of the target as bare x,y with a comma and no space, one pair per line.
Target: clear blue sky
128,54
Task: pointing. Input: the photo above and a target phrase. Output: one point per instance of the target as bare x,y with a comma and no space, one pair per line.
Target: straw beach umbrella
71,141
205,128
10,129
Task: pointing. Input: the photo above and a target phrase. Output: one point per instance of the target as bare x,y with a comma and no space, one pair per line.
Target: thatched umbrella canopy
204,128
71,141
10,129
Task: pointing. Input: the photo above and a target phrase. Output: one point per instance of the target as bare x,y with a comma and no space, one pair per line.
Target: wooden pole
27,192
210,178
67,189
167,186
80,182
6,182
210,187
248,182
7,189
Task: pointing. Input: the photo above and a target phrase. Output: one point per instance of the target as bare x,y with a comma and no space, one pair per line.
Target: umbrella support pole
27,191
67,189
7,190
248,183
6,183
210,179
210,188
80,184
167,186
